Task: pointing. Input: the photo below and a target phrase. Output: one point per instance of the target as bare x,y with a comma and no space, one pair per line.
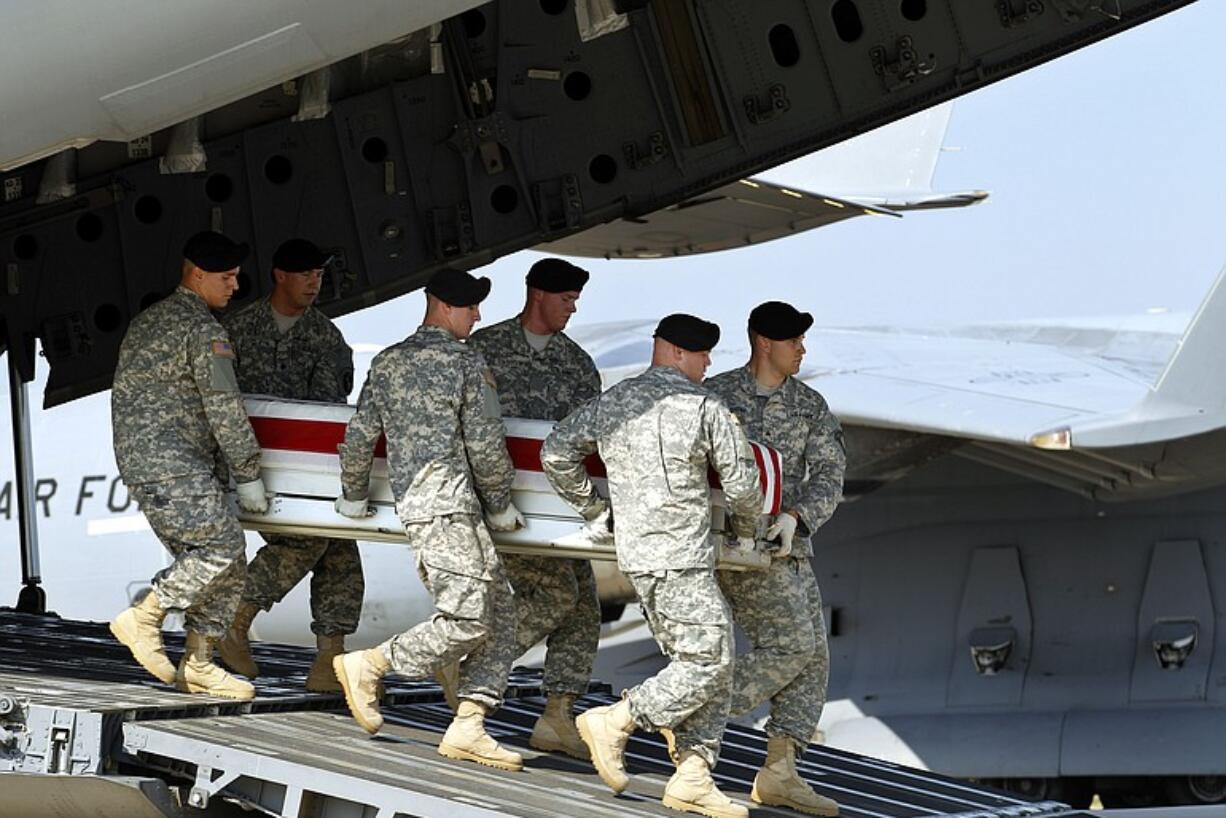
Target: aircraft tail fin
896,158
1194,375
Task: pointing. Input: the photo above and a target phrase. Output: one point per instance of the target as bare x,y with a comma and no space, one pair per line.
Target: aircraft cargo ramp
83,731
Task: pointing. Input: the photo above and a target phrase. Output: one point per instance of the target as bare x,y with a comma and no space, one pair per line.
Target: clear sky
1108,181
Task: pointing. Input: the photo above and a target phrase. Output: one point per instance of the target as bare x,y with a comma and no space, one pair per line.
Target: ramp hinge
764,109
905,68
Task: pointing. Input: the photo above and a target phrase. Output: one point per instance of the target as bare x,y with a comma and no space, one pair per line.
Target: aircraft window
634,352
107,318
278,169
784,47
577,85
148,209
25,247
89,227
553,6
602,168
374,150
914,10
218,188
847,20
474,23
504,199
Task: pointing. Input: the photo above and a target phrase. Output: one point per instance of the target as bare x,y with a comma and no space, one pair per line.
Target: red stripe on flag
323,436
777,467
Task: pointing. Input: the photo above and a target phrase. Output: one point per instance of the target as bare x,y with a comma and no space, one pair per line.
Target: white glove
509,519
599,529
251,496
355,509
746,544
783,527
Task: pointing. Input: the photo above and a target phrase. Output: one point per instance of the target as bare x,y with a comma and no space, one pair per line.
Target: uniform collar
194,298
668,373
431,331
750,384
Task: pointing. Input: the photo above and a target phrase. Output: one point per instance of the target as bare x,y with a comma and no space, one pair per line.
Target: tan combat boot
448,678
235,649
359,673
322,678
691,789
139,629
778,784
605,731
555,729
466,740
198,674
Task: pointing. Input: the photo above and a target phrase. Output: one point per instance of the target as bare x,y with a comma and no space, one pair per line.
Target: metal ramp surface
74,707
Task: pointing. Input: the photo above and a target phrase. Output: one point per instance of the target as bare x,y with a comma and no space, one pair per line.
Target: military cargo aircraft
414,142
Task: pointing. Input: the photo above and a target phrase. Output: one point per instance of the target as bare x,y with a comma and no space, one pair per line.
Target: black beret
688,332
299,256
213,252
779,321
458,288
553,275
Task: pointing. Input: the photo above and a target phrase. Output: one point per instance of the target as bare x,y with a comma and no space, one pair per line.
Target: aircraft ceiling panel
498,130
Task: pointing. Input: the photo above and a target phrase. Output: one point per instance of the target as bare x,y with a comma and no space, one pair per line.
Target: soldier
286,348
657,433
543,374
177,415
780,609
433,398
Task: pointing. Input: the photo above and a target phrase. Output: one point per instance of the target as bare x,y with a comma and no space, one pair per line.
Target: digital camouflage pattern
795,420
545,385
555,599
310,361
179,422
195,521
337,583
780,610
475,611
430,396
658,433
175,405
692,625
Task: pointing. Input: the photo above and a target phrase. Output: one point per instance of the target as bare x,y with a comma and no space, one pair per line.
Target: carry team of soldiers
181,435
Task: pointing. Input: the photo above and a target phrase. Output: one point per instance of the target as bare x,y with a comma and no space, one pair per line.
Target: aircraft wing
892,166
1106,406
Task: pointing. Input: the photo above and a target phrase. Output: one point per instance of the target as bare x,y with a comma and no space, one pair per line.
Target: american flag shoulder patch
223,349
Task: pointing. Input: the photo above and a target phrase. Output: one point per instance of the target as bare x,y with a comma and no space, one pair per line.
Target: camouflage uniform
656,433
445,446
554,598
309,362
179,422
789,659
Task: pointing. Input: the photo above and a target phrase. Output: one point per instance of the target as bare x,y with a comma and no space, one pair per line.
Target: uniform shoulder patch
223,349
